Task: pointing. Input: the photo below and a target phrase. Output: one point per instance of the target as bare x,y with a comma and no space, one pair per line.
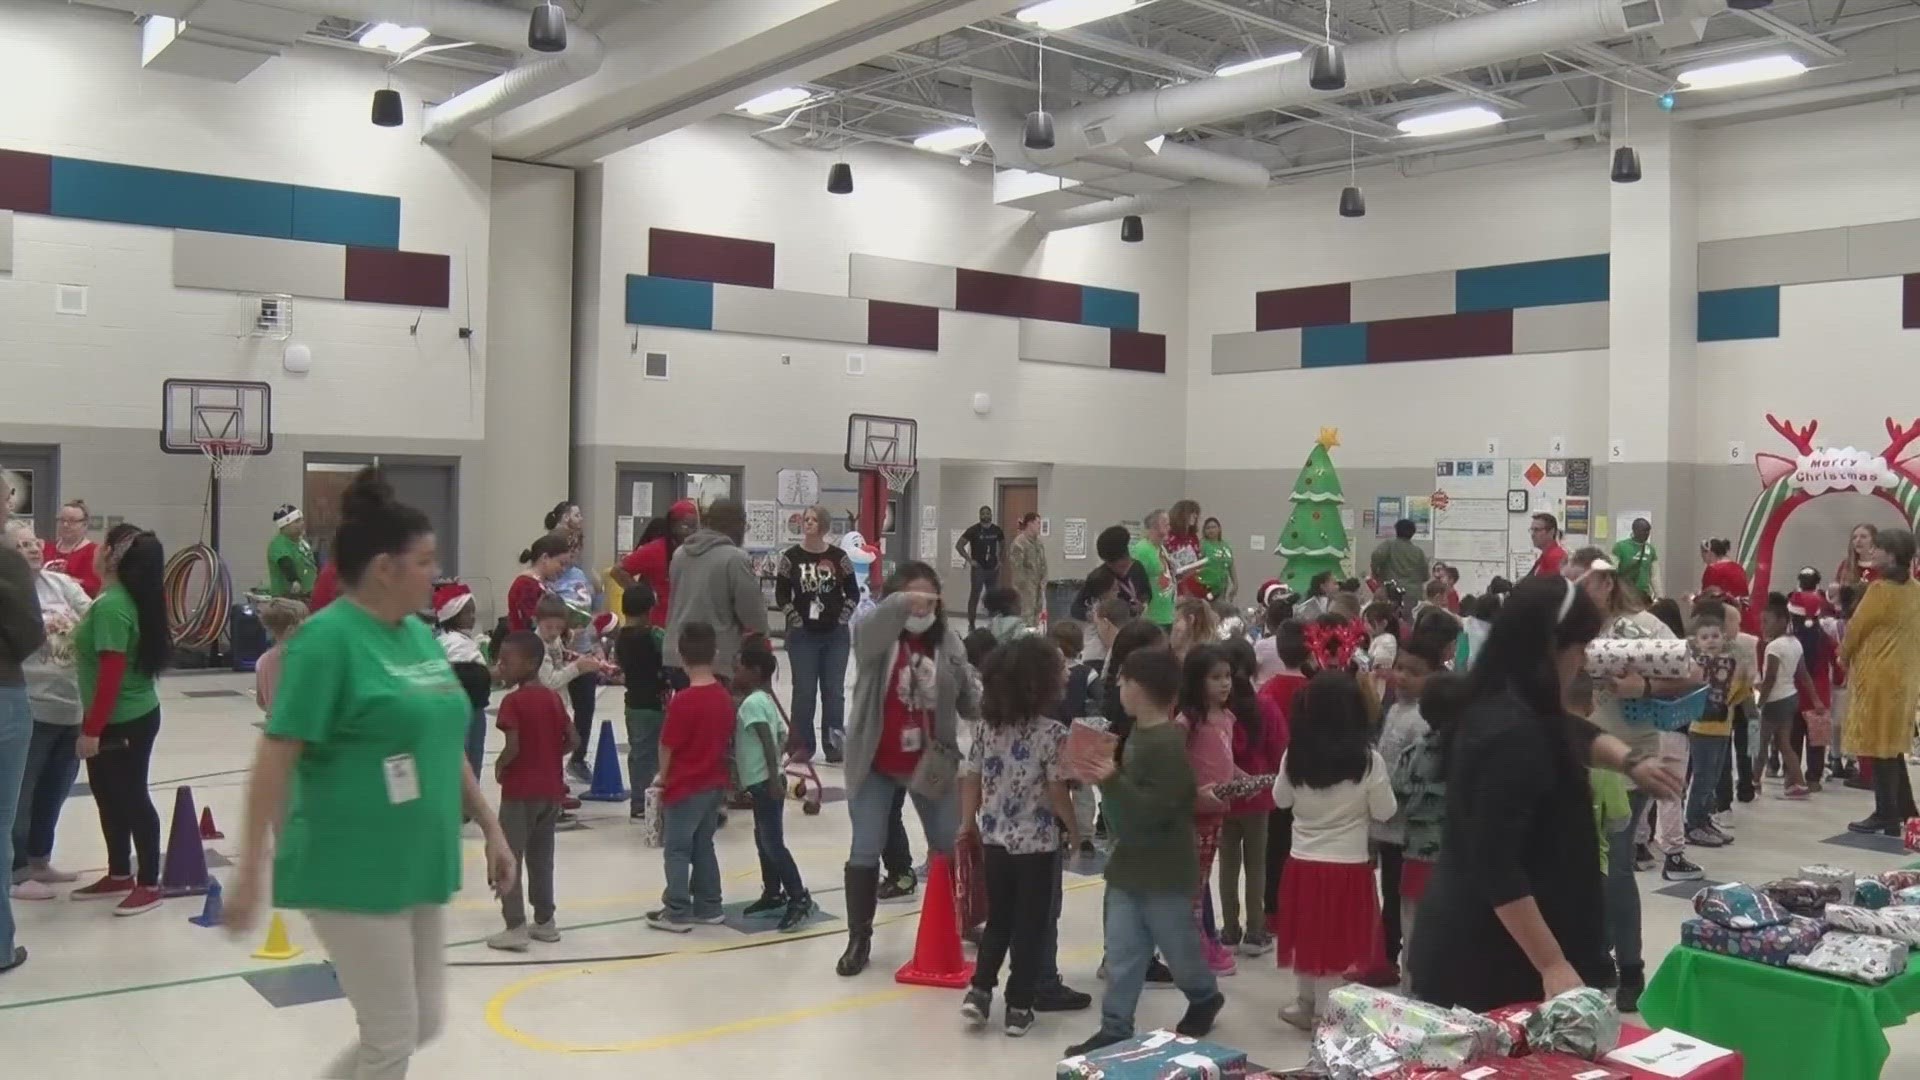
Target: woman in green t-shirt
363,769
1216,573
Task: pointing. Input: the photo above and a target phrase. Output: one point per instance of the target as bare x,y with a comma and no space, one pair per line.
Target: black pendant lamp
387,110
1132,230
840,179
547,28
1329,68
1038,133
1626,165
1352,202
1749,5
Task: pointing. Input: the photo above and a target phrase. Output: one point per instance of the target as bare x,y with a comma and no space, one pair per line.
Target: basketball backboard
873,441
196,411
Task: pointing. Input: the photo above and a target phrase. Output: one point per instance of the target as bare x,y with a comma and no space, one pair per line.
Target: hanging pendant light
1749,5
1132,230
1626,165
840,179
547,28
1038,134
1329,68
387,110
1352,202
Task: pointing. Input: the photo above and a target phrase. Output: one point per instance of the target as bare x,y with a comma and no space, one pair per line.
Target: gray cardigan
876,644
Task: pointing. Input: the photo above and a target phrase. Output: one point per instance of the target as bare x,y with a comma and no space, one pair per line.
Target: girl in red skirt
1205,690
1336,784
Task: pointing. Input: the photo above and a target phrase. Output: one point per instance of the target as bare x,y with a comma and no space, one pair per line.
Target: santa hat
685,508
288,514
604,623
450,600
1271,590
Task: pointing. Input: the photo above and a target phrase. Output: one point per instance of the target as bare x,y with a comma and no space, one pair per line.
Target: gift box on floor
1157,1055
1768,945
1423,1034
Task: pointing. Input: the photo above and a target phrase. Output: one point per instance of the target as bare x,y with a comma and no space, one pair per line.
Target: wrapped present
1767,945
1243,787
1157,1055
1738,907
1858,957
1839,877
1869,893
1909,896
1899,923
1339,1054
651,834
1513,1019
1910,834
1543,1067
1819,727
1654,658
1423,1034
1899,879
1583,1022
1088,739
1802,897
969,879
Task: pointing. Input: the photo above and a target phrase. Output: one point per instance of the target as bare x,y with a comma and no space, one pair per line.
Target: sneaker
977,1006
577,768
1296,1016
637,812
797,913
1088,851
1745,794
1627,997
1679,868
1642,857
1057,996
512,939
1158,974
19,957
768,904
718,918
142,899
1220,958
47,875
672,924
569,803
544,932
107,888
1099,1040
1796,792
33,890
1256,943
1199,1017
1773,771
1725,836
1705,836
1231,935
1018,1021
1814,787
1723,821
897,888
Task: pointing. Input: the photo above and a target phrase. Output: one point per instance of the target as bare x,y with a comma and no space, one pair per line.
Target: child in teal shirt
757,769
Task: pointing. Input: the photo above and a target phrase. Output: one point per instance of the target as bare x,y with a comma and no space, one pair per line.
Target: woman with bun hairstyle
363,771
543,560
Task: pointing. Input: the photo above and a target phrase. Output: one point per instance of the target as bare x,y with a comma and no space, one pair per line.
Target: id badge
815,609
403,779
910,740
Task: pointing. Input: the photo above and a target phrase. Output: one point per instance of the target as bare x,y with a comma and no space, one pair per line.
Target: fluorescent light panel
1449,121
1061,14
392,37
774,101
950,139
1257,63
1742,72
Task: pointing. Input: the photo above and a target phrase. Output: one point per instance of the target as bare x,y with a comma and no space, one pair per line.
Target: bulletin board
1489,503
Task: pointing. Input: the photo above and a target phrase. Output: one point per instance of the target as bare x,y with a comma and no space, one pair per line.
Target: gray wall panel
779,313
1884,250
6,241
1065,343
1256,350
1560,328
875,277
1405,297
258,264
1785,259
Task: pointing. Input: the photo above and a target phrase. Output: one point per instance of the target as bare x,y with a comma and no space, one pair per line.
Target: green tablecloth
1790,1024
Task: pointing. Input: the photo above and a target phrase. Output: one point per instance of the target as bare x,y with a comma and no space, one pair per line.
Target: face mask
919,624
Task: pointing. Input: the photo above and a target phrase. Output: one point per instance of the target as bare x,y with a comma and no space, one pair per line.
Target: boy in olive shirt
1154,869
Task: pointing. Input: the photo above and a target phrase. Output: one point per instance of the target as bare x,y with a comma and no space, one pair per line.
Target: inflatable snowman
864,555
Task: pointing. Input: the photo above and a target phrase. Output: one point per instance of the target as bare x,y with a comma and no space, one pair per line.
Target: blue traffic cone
607,784
184,870
210,914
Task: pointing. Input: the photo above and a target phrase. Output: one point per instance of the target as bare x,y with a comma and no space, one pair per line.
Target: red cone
208,830
937,959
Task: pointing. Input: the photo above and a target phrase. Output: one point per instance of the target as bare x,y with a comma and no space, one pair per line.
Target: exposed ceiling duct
1000,111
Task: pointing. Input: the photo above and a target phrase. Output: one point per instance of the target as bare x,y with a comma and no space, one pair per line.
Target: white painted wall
732,392
72,77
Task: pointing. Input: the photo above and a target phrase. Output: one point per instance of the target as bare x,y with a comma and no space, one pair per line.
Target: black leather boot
863,884
1882,820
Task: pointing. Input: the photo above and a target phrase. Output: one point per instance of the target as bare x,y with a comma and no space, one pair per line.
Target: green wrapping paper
1581,1022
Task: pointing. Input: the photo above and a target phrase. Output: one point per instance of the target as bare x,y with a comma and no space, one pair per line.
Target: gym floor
158,996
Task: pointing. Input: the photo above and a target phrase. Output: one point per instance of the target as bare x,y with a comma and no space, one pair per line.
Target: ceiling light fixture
387,110
1329,63
950,139
1257,63
1061,14
1742,72
774,101
1038,133
840,179
1352,203
1626,165
1132,229
392,37
547,28
1449,121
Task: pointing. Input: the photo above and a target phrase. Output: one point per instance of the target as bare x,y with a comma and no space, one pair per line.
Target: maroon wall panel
1910,302
1132,350
700,257
410,278
903,326
26,182
1016,297
1441,337
1315,305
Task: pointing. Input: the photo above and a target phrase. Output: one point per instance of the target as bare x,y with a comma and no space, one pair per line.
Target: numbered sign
1616,450
1557,446
1736,452
1492,446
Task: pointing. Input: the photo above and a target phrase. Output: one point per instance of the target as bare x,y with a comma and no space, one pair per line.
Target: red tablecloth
1732,1067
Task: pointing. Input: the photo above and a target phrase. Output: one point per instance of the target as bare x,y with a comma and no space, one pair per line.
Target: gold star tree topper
1329,437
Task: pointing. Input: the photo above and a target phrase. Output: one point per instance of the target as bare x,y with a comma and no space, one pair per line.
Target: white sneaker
512,939
33,890
1723,821
47,875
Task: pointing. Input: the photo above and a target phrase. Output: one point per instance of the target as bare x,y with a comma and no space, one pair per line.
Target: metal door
430,485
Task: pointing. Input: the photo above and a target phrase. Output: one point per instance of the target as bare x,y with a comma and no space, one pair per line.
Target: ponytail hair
558,513
548,546
139,563
373,522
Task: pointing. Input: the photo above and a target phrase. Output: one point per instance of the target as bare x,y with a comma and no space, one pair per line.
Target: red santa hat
604,623
685,508
1270,590
450,600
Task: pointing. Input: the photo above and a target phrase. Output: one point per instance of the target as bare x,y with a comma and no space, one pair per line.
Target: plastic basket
1666,714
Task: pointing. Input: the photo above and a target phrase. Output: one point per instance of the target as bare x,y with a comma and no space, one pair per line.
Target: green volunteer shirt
749,760
112,624
1159,581
1636,561
373,820
305,569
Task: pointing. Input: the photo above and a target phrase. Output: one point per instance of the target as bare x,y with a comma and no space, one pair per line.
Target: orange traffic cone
937,959
208,830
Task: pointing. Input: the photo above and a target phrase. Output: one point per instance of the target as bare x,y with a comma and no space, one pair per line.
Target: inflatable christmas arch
1786,483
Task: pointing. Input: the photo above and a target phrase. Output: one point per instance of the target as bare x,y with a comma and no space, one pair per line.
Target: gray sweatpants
529,825
393,969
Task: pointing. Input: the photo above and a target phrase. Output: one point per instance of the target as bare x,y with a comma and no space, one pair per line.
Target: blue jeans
643,750
51,766
16,739
871,808
477,740
693,871
1710,754
819,660
779,874
1623,891
1137,924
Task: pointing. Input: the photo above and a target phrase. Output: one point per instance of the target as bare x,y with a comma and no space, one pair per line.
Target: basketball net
227,457
896,476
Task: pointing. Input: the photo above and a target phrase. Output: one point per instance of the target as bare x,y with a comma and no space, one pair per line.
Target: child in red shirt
539,736
693,782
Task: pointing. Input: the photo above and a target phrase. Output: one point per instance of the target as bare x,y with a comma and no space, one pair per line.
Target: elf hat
288,514
450,600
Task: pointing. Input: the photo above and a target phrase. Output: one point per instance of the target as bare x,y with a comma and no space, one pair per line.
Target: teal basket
1666,714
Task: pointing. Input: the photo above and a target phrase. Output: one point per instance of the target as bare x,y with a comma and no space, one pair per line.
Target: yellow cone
277,946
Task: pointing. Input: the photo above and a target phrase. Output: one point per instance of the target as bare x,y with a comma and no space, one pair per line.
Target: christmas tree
1313,539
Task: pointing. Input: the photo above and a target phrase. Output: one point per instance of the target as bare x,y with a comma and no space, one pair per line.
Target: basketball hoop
896,476
228,457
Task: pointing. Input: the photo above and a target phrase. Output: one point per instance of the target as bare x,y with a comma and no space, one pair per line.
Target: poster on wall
16,486
1469,519
1420,512
929,540
790,524
762,524
1387,511
642,498
954,559
797,487
1577,519
1073,538
929,517
623,533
